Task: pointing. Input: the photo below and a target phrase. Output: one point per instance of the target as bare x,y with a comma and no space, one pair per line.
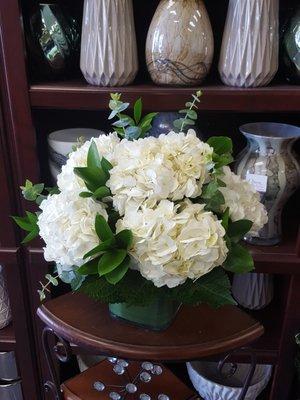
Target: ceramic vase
291,48
53,38
249,52
163,123
180,44
5,312
108,44
253,291
270,164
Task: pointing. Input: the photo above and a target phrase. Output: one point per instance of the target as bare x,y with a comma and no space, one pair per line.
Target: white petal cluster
149,170
173,243
67,225
67,180
243,201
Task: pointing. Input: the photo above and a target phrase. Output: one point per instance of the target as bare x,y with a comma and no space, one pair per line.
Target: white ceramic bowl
61,144
213,386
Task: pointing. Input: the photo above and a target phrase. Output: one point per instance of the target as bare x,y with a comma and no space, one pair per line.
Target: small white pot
211,385
61,144
5,312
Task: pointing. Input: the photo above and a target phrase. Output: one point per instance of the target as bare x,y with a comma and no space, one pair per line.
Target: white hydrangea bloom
67,225
67,181
243,201
148,170
173,243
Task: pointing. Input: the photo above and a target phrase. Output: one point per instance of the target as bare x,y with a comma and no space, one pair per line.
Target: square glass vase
156,316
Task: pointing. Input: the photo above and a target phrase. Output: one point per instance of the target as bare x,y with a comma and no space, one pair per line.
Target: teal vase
156,316
291,48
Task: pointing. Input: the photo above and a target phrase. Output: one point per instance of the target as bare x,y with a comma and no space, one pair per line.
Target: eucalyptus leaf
52,279
132,132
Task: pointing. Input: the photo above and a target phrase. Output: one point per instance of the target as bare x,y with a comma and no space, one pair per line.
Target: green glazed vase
53,41
291,48
156,316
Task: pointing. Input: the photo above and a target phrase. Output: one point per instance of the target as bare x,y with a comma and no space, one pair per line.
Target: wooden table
197,332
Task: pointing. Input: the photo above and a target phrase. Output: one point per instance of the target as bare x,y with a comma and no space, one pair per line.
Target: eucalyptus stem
186,115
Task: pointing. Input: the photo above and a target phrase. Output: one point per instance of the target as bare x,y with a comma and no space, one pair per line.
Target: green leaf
222,160
85,195
220,144
102,191
238,229
178,123
122,123
106,165
104,246
239,260
32,235
31,192
111,260
41,295
102,228
118,274
188,122
72,278
215,202
212,288
190,113
137,110
210,190
93,158
94,177
23,223
89,268
225,219
124,239
128,119
52,279
32,217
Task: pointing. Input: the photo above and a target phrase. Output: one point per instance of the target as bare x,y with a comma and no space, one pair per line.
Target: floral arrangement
135,216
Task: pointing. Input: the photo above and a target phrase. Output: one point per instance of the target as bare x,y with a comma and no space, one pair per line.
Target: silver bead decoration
123,363
145,396
163,397
147,366
112,360
116,396
118,369
157,370
99,386
145,377
131,388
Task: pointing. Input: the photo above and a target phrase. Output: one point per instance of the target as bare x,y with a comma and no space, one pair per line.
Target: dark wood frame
20,161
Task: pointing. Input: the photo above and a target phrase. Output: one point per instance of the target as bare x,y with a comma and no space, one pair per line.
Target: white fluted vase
5,312
249,52
253,291
108,43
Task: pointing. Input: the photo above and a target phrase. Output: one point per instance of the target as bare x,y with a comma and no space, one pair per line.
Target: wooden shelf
79,95
7,338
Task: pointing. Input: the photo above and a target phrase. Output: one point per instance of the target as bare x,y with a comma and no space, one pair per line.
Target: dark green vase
291,48
53,41
156,316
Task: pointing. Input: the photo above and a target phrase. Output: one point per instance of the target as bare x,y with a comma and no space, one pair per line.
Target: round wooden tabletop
195,333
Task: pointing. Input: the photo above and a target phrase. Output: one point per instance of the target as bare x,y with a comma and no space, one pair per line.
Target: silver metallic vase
270,164
5,312
249,52
108,43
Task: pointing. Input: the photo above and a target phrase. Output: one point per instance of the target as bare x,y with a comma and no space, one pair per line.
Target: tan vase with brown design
180,44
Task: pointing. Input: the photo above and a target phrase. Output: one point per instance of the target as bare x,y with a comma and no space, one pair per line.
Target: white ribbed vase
249,53
108,43
5,313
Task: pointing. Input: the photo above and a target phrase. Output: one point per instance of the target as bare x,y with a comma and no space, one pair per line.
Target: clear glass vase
270,164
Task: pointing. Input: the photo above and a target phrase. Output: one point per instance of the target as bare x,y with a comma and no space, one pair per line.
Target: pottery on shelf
249,52
211,385
108,43
5,311
53,39
253,291
162,124
8,367
180,44
291,48
270,164
61,144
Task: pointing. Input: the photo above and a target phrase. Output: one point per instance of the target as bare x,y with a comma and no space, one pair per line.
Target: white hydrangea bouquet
134,217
